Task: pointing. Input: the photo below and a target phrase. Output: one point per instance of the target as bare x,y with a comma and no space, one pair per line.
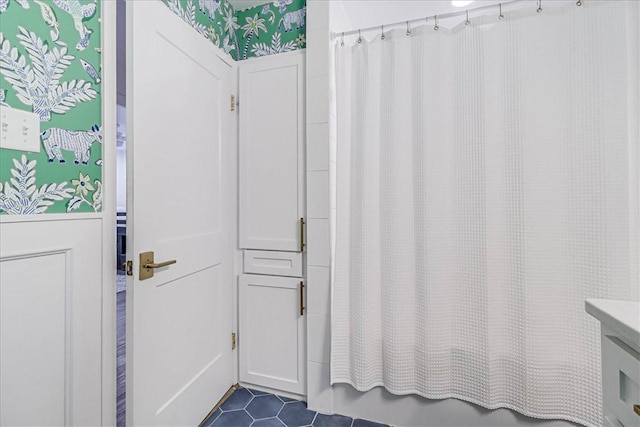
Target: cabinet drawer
273,263
620,380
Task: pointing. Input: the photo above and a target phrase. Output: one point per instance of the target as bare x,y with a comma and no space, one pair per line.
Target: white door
179,322
272,152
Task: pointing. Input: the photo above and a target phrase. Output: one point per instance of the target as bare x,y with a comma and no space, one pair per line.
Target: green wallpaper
276,27
50,65
213,19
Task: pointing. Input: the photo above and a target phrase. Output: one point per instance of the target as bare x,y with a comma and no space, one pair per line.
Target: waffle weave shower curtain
486,186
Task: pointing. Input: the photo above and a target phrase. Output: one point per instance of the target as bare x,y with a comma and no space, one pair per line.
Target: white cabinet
272,327
620,342
620,379
271,338
271,104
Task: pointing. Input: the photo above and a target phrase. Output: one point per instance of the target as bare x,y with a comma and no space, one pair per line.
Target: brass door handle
301,298
160,264
301,234
147,265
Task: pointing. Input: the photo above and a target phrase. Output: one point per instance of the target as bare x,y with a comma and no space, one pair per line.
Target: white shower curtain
486,186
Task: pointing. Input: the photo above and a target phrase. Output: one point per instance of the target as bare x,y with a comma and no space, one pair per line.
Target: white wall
376,405
353,14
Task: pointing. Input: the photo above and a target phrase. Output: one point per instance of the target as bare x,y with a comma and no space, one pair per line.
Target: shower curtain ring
539,6
382,37
359,37
342,42
501,16
435,27
408,29
467,22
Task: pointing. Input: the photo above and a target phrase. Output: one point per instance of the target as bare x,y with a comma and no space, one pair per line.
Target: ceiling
244,4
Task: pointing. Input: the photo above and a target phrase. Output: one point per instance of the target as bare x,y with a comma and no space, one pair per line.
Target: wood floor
120,368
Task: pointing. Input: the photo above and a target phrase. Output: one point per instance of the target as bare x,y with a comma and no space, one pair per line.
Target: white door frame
109,102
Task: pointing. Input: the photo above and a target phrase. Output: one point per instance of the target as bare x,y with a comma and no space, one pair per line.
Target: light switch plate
19,130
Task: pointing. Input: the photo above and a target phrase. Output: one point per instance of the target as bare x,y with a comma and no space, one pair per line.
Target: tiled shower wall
319,392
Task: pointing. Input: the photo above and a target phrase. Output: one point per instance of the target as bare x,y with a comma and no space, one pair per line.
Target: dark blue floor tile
264,406
238,400
365,423
296,414
233,419
258,392
287,399
267,422
332,421
212,418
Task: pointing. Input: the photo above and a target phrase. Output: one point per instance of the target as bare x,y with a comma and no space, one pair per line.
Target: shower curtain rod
438,17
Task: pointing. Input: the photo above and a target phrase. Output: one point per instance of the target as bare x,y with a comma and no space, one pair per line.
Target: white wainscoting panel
50,323
33,298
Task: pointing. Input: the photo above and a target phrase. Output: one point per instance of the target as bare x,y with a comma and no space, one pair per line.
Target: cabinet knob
636,409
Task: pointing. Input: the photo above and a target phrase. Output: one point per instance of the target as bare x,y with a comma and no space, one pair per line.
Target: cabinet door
271,341
272,152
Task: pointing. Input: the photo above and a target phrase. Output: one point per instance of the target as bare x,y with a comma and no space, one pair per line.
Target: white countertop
623,317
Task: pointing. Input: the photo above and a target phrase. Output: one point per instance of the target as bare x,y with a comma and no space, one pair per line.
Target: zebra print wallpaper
278,26
50,66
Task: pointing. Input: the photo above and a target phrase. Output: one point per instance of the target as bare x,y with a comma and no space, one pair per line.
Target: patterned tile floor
247,407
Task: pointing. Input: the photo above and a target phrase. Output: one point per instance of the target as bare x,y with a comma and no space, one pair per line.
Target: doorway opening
121,215
121,278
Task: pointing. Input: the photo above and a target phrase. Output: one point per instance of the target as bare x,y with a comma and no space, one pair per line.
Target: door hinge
129,267
233,103
233,340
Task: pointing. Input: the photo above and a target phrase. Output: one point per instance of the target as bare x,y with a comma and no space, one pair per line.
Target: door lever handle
147,265
160,264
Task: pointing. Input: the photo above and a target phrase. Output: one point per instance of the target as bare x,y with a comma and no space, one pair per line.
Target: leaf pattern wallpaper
276,27
50,66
